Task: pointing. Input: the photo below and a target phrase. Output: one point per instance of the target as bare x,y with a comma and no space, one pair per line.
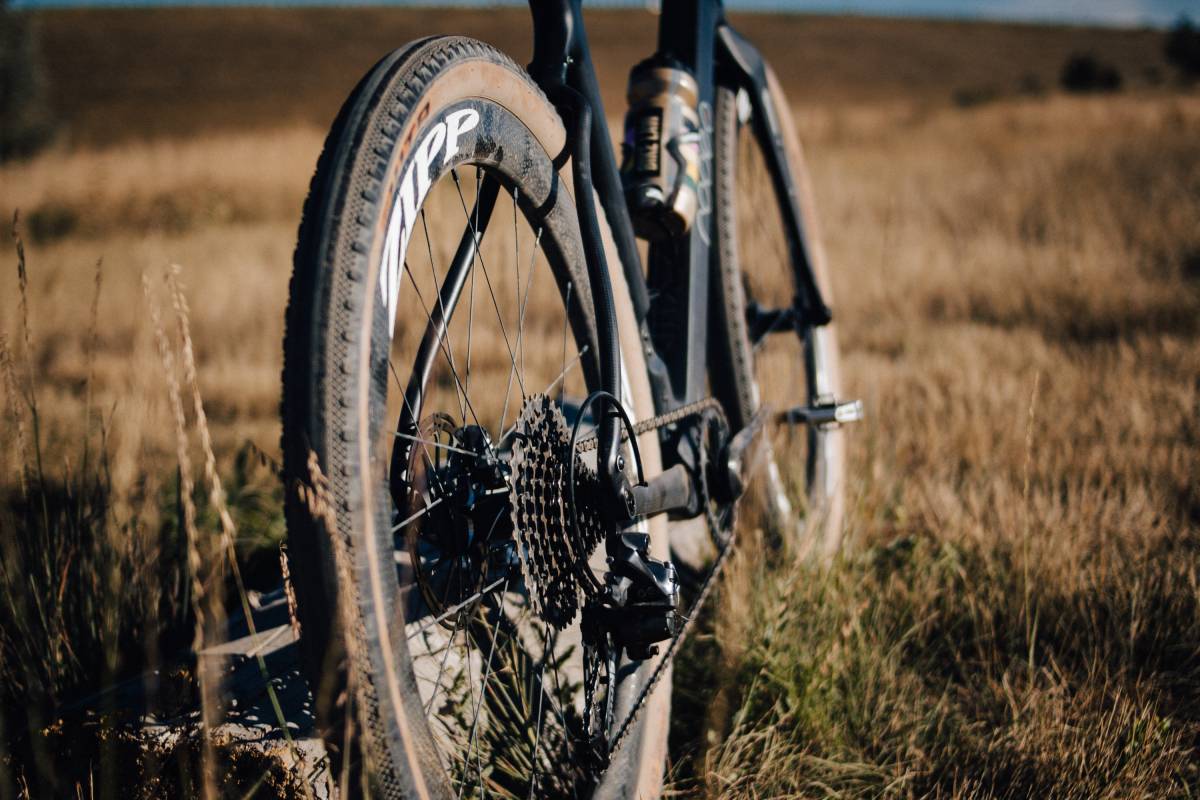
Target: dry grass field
131,74
1017,287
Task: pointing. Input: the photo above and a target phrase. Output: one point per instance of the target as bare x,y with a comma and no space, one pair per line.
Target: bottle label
647,141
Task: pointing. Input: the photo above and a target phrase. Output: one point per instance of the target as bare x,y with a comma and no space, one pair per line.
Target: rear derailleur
634,611
638,600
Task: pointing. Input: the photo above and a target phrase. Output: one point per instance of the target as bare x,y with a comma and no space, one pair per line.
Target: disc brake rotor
447,544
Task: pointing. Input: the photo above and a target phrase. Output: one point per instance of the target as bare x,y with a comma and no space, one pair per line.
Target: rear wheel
440,332
771,356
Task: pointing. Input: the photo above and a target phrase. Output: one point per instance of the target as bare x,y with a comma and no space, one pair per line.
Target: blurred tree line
1183,48
25,123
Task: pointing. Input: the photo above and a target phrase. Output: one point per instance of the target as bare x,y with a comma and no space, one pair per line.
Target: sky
1105,12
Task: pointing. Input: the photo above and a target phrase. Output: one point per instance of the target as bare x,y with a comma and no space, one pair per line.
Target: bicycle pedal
824,415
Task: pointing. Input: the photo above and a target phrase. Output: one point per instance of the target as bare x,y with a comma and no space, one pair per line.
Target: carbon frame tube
562,66
560,45
679,271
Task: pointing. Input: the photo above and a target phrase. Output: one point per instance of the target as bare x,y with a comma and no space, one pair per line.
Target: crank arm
739,457
675,489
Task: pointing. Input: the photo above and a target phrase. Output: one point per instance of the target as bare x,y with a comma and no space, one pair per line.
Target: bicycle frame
696,34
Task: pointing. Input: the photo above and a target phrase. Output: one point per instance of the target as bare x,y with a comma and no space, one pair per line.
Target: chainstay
724,548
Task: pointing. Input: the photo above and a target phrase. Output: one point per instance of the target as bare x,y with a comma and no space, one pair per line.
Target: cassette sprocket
552,553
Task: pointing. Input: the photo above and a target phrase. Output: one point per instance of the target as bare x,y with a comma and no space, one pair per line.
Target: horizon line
893,9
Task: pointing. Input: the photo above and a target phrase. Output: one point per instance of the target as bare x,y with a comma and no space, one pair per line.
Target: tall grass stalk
30,391
16,418
217,499
1027,528
207,681
81,589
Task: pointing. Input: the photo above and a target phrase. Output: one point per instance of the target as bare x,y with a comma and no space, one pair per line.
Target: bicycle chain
722,540
662,420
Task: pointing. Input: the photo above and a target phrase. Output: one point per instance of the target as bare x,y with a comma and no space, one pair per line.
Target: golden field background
1017,288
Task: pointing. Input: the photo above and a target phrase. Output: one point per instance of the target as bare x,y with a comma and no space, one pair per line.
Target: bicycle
486,592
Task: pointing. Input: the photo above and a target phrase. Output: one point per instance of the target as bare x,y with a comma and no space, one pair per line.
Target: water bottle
660,165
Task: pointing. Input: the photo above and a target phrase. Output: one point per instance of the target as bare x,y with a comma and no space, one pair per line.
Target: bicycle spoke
449,349
424,445
437,682
550,386
417,515
566,369
439,445
471,689
450,642
516,260
537,736
483,690
523,302
442,345
459,607
474,257
563,721
563,373
492,293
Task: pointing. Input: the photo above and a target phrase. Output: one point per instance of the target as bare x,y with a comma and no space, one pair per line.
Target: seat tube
687,35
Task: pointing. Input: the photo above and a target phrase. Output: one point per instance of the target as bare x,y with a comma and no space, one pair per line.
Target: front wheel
440,335
769,356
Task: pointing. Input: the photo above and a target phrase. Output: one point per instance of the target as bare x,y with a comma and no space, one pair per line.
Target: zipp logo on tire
439,145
